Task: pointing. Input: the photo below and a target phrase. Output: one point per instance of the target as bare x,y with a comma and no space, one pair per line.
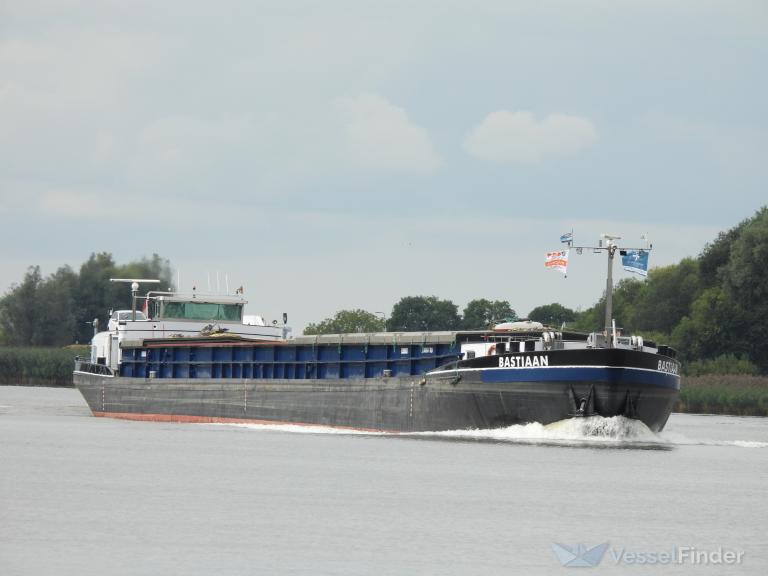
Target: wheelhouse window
127,315
202,311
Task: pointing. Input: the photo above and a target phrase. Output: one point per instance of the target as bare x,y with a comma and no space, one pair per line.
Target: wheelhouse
206,309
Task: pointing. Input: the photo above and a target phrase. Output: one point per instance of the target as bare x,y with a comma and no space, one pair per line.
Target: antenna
135,289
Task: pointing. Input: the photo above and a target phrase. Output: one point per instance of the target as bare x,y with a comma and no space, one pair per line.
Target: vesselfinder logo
579,555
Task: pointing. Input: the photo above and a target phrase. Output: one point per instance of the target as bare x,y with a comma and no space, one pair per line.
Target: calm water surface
84,495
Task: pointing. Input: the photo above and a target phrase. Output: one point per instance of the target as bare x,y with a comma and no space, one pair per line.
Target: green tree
481,314
590,319
730,316
714,327
58,310
716,255
626,296
95,295
656,304
416,313
19,315
347,322
552,314
38,312
667,297
745,283
57,322
153,267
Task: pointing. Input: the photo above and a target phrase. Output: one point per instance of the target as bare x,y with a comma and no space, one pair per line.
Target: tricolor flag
567,237
557,261
635,261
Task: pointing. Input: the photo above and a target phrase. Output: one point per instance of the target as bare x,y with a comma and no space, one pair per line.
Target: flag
635,261
567,237
557,261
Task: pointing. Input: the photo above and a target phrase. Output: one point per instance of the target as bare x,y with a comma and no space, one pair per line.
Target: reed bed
736,394
39,366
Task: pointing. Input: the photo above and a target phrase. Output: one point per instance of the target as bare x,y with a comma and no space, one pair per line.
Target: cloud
379,135
516,137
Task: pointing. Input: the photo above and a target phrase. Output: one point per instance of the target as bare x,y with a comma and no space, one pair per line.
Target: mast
611,249
608,244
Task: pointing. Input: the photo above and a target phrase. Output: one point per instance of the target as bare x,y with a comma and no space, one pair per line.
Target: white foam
591,429
750,444
616,430
677,439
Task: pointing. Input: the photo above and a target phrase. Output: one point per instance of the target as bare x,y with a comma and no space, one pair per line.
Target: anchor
584,406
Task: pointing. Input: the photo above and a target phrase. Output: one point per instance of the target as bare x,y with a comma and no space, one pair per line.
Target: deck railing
85,365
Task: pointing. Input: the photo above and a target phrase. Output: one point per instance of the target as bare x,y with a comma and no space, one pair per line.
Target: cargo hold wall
305,360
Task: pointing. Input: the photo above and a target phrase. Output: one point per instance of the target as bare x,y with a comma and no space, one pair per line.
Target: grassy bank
737,394
39,366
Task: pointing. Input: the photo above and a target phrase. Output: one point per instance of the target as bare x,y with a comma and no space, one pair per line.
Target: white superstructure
179,315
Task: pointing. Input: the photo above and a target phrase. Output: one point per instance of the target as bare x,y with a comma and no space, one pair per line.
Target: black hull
447,400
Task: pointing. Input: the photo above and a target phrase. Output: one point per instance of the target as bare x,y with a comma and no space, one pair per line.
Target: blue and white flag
567,237
636,261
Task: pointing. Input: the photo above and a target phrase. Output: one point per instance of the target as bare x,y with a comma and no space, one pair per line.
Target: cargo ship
198,358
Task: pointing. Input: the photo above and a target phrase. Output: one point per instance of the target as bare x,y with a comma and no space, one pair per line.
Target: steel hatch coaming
230,360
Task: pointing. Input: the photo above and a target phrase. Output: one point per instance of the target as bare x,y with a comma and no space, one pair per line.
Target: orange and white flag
557,261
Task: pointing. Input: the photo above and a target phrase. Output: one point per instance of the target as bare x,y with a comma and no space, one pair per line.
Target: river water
84,495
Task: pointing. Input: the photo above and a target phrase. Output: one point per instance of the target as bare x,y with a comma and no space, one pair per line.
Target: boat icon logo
579,555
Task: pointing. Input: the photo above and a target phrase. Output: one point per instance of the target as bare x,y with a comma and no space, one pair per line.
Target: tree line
59,309
430,313
419,313
713,308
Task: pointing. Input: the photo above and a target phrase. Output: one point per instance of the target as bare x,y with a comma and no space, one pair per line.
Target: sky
331,155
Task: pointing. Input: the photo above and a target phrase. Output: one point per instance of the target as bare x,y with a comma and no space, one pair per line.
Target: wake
615,431
590,430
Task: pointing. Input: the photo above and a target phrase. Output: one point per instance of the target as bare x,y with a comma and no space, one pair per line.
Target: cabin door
114,349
